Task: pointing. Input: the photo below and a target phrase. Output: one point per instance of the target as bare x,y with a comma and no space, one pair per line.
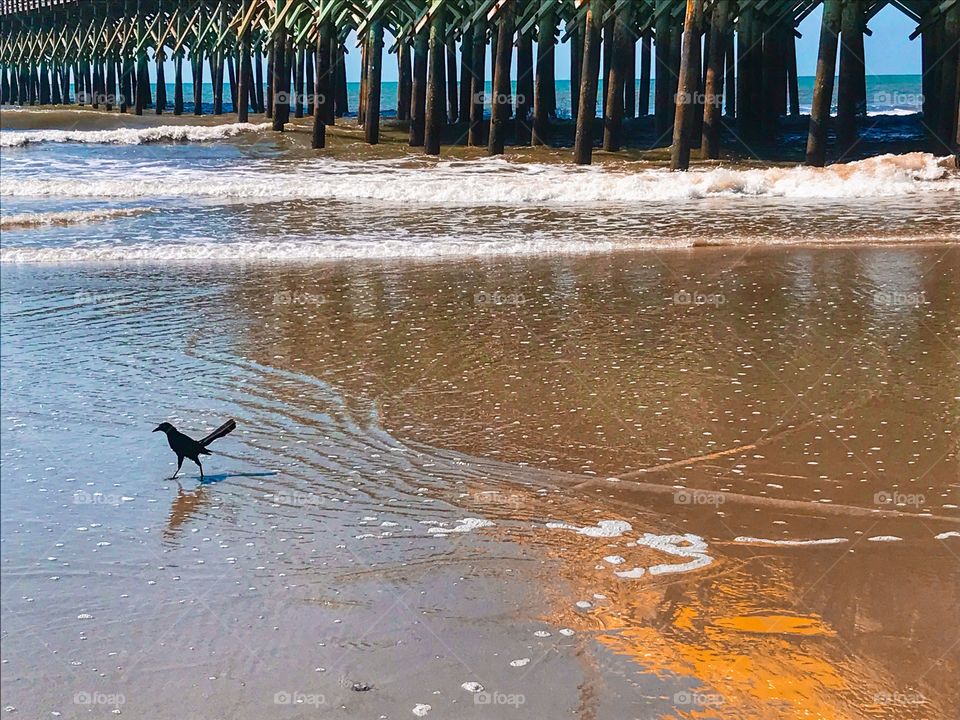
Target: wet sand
429,461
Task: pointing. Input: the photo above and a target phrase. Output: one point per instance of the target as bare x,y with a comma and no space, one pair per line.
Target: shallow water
377,400
635,480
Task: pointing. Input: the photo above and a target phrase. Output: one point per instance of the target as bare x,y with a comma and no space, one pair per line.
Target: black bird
185,446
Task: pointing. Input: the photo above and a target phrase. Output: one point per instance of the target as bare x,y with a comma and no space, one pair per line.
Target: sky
889,51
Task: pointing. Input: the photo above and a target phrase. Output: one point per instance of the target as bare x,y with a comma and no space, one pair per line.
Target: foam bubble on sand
567,632
766,541
462,526
948,534
884,538
473,687
614,559
603,529
130,136
686,545
421,709
633,574
541,634
520,662
584,604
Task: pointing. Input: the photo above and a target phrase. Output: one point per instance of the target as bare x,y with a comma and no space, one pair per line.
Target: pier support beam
281,75
404,83
851,74
478,85
453,95
713,87
418,107
300,60
436,60
823,84
947,127
501,102
177,84
466,63
663,100
687,88
623,40
589,80
524,114
545,74
323,87
161,103
243,81
197,59
371,118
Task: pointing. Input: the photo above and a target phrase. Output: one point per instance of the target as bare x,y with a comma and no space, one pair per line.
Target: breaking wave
499,182
22,221
442,248
128,136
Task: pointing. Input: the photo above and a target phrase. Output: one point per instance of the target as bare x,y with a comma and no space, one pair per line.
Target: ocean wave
440,249
500,182
128,136
21,221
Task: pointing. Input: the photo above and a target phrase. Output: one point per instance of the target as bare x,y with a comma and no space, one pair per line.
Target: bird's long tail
228,427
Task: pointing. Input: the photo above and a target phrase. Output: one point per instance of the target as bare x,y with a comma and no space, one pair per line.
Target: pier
717,68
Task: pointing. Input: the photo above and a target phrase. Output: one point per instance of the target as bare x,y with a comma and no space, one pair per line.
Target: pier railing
718,64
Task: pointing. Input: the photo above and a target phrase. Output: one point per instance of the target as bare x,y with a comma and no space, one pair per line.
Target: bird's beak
156,429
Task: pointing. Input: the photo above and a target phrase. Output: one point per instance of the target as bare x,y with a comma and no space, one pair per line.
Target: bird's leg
179,463
199,466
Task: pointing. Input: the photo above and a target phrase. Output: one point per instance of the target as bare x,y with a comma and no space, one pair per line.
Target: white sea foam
462,526
947,534
498,182
200,249
603,529
67,217
766,541
884,538
129,136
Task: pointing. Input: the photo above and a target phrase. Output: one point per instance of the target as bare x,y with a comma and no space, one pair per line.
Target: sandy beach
528,487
